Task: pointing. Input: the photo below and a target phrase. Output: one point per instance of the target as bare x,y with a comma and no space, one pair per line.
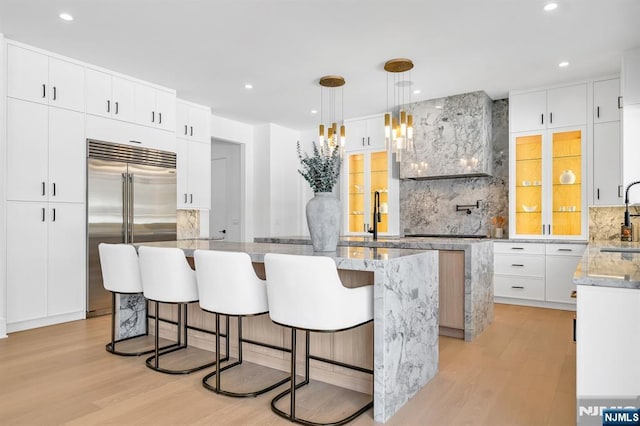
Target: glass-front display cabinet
548,190
367,172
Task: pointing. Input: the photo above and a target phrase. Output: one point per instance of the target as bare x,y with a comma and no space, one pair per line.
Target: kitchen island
608,327
405,325
466,276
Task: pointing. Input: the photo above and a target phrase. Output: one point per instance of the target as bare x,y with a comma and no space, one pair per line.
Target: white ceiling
208,49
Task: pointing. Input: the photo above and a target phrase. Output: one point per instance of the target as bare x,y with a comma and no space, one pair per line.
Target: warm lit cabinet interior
366,173
549,190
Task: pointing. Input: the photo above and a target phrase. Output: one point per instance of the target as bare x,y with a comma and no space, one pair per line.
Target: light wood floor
520,371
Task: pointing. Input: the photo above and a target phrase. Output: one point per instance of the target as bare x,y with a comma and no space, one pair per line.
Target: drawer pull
517,248
519,287
565,249
517,264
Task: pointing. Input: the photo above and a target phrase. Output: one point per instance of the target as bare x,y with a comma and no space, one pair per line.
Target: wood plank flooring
520,371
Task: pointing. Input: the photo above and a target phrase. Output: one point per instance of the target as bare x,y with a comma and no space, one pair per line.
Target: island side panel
479,291
131,315
406,313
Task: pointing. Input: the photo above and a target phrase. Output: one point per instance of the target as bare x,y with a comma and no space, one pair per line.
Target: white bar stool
306,293
168,278
228,285
121,275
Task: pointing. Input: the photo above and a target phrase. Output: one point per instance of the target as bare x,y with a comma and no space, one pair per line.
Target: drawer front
521,265
519,248
566,249
518,287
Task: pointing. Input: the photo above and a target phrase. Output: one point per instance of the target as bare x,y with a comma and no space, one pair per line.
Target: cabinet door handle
54,189
153,116
44,90
368,141
191,198
55,93
53,214
565,249
136,142
43,215
543,230
619,102
185,130
108,105
550,118
517,248
185,198
598,193
518,287
44,188
519,265
541,118
363,141
116,107
619,191
597,112
191,131
549,226
159,118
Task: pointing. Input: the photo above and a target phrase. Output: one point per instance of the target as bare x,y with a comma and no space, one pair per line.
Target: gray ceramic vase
323,218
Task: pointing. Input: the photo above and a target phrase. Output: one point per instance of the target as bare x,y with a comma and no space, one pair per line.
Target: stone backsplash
188,224
429,207
604,222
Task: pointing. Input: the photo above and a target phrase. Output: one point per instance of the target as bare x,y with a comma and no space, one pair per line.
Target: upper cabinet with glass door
548,162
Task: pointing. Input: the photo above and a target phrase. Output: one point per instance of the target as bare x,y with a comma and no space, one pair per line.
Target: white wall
285,182
3,168
261,182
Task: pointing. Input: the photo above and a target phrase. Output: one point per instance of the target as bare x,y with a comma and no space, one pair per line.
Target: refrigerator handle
131,204
125,209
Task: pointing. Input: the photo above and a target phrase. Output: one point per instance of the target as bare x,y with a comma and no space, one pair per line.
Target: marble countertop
415,243
609,269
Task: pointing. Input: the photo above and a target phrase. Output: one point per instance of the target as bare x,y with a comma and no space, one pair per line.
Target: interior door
153,201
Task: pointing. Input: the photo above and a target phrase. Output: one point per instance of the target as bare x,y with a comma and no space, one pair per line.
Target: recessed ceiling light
314,111
438,106
550,6
248,86
563,64
66,17
416,92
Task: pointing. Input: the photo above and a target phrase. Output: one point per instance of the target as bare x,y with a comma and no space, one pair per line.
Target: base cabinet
45,266
536,273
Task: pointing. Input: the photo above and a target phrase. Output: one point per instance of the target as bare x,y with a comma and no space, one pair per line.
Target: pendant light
398,124
335,137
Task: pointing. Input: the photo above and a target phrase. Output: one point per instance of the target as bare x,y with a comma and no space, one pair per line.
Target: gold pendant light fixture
398,125
331,83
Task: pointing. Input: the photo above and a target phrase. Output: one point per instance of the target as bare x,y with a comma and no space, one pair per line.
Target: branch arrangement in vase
321,169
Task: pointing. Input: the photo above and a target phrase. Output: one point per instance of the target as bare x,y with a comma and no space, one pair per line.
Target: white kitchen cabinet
561,261
110,95
192,121
606,100
40,78
365,133
537,274
552,108
45,153
548,188
365,173
193,164
46,263
607,170
155,107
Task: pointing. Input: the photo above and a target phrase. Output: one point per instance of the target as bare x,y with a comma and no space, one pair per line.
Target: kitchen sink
620,250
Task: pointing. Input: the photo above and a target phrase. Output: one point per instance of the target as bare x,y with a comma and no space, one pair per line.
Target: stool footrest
255,393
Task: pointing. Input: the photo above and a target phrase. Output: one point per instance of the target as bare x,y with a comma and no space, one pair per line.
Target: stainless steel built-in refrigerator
131,197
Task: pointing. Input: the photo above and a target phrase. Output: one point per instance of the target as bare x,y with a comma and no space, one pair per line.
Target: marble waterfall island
405,324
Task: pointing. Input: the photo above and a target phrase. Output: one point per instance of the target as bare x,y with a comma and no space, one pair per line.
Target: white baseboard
42,322
535,303
3,328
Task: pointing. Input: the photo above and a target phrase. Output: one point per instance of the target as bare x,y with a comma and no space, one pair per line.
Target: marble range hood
452,138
